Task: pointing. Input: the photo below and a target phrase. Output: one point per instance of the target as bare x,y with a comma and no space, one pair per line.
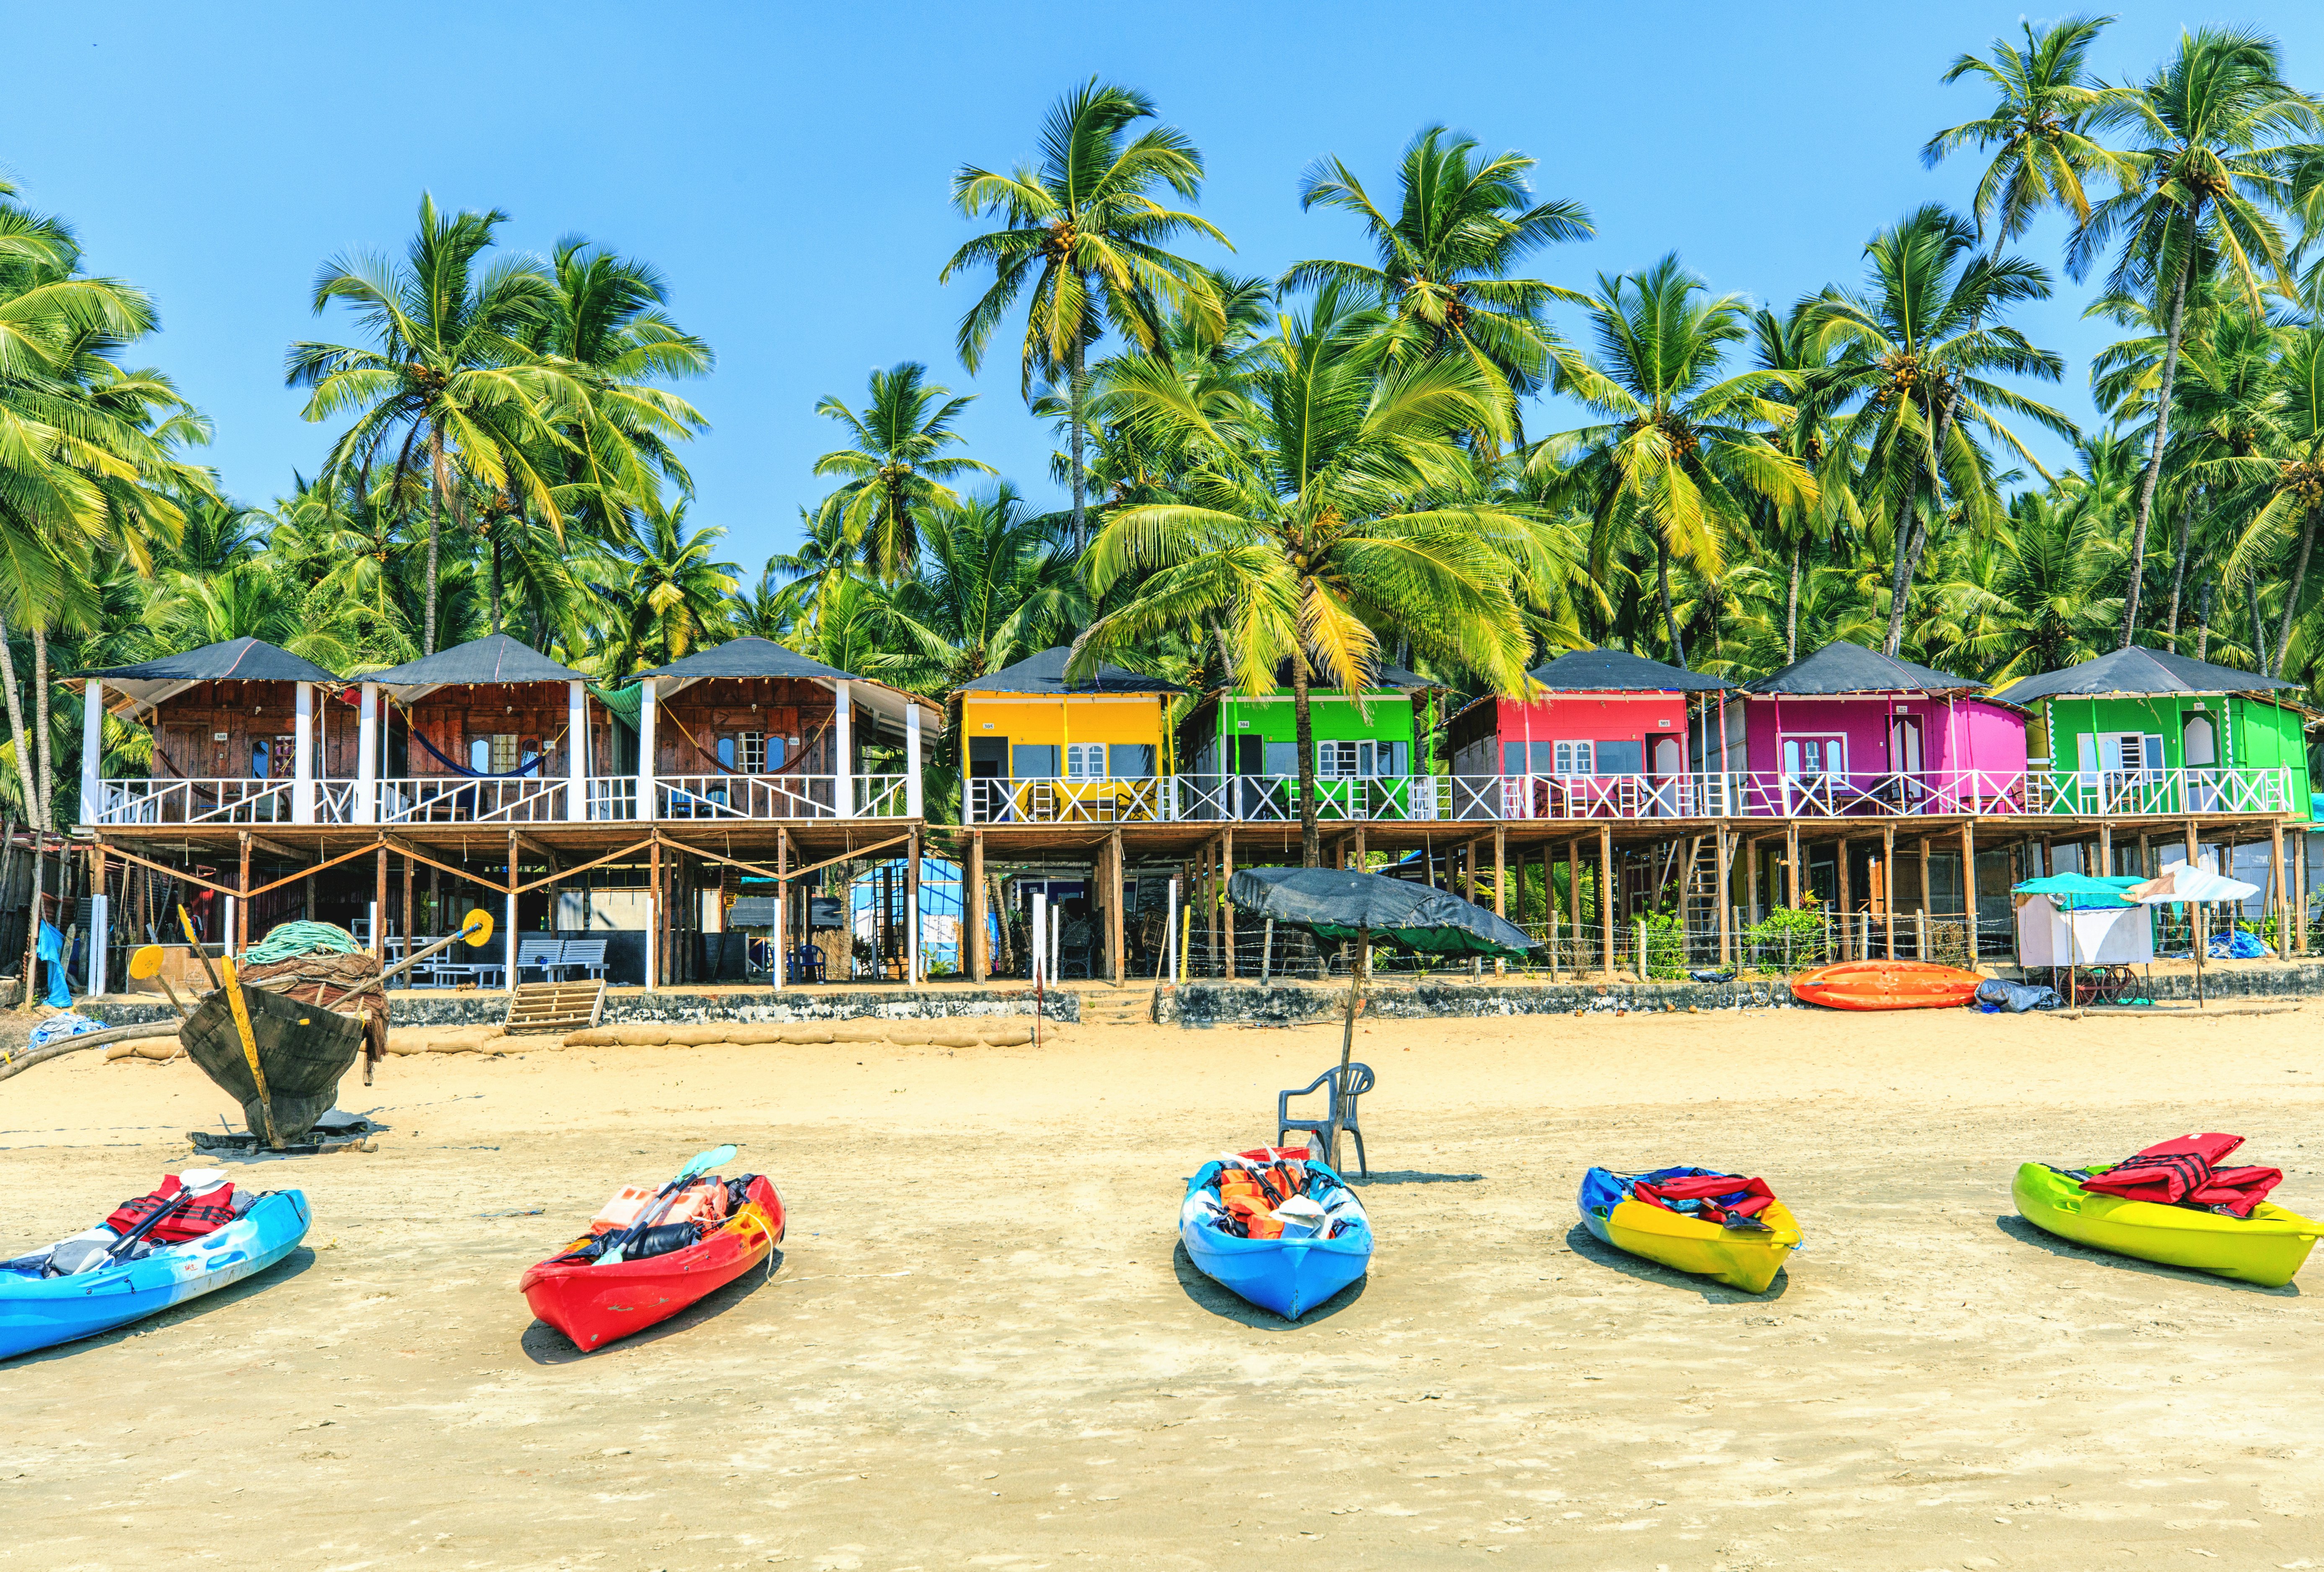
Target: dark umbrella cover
1337,905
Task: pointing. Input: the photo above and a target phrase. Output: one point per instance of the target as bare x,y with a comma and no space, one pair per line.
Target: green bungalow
2145,731
1240,752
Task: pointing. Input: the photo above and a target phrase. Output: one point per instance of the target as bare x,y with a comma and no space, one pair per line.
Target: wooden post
1573,893
912,978
1113,906
1751,878
1847,901
1792,864
2282,893
1549,923
309,891
1606,898
1889,882
1725,933
2146,854
1924,954
2193,848
1226,881
778,938
2300,887
1212,855
2106,849
653,915
1968,885
2049,857
412,928
980,964
1500,880
378,897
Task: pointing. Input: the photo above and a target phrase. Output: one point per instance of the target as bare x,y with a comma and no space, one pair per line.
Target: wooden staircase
1130,1006
556,1006
1699,900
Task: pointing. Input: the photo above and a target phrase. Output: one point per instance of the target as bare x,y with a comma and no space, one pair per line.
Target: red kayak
1886,986
596,1305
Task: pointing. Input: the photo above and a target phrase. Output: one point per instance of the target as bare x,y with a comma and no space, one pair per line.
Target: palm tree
2283,486
897,470
999,586
677,593
1920,339
1085,235
1335,503
2209,127
1680,460
2038,129
1791,345
800,579
450,372
1463,225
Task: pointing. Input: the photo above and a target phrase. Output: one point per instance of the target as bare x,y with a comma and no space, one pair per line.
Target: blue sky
787,167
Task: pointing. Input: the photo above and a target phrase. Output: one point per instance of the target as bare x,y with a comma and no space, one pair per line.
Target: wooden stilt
378,898
1847,900
778,969
1226,882
1574,893
411,928
980,963
1500,879
1114,926
653,917
1726,934
1968,885
1606,899
1888,883
2280,892
1792,864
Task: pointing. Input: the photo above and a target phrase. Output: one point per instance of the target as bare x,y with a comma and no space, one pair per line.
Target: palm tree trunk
2179,571
496,583
2203,621
2259,624
2291,591
41,724
24,766
437,475
1900,578
1311,843
2153,472
1670,613
1792,605
1076,392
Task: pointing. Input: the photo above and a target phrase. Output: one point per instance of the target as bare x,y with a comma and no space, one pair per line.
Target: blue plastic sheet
1997,996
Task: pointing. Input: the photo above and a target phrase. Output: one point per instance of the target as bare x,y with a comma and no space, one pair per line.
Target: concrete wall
433,1008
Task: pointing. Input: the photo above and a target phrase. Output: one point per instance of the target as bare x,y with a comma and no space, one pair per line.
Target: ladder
1699,900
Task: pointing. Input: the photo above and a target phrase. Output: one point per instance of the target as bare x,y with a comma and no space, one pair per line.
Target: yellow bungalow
1037,749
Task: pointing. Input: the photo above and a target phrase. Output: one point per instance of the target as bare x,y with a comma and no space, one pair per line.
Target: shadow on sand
545,1344
2026,1233
1591,1248
1407,1176
282,1270
1230,1306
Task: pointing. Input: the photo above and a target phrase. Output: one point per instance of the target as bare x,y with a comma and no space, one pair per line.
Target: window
259,752
1814,756
1622,758
480,755
1084,761
779,752
1129,761
1572,759
1904,744
2200,740
1333,760
1033,760
725,753
750,752
504,754
2122,753
1282,758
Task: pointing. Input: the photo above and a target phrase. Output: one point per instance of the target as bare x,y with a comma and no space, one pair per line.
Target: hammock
785,768
529,766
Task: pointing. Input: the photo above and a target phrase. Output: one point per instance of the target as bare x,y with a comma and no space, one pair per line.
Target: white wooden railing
471,800
1050,799
1260,798
227,800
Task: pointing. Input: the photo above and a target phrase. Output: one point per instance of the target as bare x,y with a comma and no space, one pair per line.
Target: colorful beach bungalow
1238,752
749,729
1039,749
2146,731
491,731
1849,731
1603,736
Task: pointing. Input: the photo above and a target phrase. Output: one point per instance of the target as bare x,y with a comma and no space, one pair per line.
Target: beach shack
2145,731
1603,734
243,734
1036,748
1849,730
491,731
752,730
1238,752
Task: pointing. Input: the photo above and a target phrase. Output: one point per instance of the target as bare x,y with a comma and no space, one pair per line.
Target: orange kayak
1886,986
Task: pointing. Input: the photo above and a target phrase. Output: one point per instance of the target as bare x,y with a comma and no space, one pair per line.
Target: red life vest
1723,1196
214,1210
2183,1173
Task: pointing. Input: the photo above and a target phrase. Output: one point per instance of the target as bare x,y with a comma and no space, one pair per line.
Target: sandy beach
981,1344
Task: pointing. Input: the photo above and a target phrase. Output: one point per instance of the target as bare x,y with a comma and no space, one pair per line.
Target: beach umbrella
2182,885
2073,893
1367,908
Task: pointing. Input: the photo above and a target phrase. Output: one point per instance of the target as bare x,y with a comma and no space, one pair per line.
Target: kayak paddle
701,1163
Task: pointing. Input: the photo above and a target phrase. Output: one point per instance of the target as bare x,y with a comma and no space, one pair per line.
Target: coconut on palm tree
898,466
1083,243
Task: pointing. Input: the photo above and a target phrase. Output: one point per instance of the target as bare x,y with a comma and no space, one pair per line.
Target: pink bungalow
1603,736
1850,731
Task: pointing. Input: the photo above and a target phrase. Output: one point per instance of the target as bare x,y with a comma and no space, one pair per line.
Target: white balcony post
911,761
577,752
647,704
302,765
843,719
367,756
92,749
100,933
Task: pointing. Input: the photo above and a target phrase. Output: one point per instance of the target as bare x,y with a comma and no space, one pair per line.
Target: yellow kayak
2267,1248
1744,1258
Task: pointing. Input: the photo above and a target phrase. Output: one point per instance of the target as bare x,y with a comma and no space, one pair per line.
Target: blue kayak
37,1311
1288,1275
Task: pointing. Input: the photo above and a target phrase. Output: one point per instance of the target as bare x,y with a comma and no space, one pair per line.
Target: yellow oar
145,966
241,1007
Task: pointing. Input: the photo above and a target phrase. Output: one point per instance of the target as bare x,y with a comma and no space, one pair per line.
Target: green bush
1791,936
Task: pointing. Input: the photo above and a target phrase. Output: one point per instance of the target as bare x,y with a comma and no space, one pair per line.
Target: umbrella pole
1347,1045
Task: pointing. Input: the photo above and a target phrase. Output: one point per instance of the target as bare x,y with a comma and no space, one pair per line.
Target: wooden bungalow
1603,734
752,730
244,733
2144,731
1038,748
488,732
